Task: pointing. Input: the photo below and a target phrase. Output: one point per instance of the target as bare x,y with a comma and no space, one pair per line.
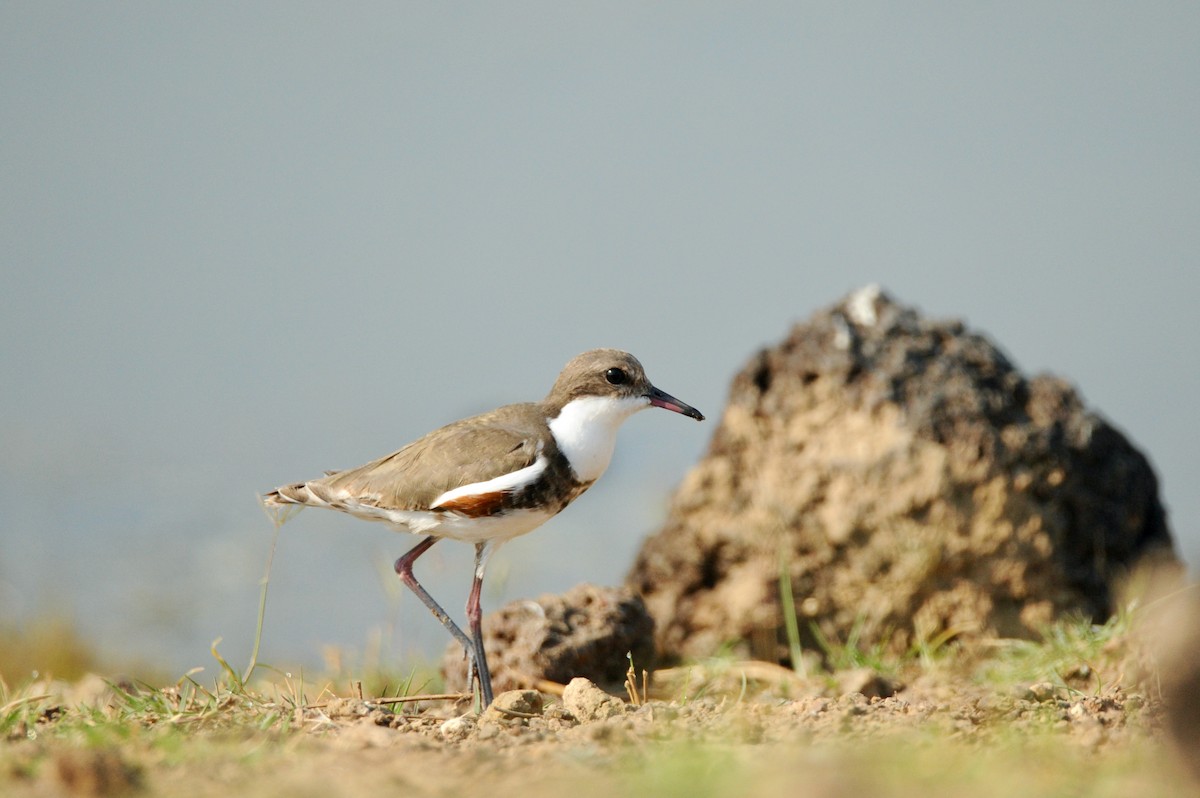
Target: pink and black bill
665,400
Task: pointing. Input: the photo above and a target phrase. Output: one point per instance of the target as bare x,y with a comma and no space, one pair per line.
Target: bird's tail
284,502
288,494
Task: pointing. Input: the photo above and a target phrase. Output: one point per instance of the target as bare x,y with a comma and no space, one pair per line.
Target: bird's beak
665,400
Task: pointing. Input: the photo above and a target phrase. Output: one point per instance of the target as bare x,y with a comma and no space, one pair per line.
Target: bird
492,477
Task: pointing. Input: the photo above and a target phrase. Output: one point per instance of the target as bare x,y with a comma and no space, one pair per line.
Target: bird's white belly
496,528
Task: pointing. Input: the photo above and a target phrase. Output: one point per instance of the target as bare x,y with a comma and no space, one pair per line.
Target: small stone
818,706
457,728
1041,691
346,709
588,702
852,699
514,706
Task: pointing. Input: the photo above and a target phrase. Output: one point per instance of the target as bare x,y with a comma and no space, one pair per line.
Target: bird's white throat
586,431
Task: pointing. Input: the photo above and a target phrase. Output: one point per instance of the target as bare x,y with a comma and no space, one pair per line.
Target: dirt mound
587,631
901,482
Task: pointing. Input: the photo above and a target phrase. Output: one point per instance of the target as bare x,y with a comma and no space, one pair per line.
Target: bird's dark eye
616,376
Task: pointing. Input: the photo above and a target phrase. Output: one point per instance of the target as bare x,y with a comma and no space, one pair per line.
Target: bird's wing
458,463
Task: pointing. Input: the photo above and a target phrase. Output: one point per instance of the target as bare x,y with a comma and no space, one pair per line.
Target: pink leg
404,567
475,621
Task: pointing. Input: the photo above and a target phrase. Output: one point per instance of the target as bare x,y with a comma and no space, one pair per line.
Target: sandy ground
736,734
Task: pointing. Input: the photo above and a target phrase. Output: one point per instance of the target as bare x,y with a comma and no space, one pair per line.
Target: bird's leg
404,567
475,620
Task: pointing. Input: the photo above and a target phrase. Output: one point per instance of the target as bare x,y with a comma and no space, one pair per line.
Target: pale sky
244,243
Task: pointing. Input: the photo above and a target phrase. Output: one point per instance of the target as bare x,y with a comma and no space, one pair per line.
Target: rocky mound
588,631
897,481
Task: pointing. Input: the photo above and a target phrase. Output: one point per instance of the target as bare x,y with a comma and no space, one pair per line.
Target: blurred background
242,244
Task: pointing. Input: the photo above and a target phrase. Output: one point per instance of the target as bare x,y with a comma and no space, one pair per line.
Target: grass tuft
1074,653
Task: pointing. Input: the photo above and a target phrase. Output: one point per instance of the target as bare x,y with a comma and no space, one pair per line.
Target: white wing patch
521,478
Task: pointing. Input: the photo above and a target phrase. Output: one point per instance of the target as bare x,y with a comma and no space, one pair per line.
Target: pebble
514,706
588,702
1041,691
457,728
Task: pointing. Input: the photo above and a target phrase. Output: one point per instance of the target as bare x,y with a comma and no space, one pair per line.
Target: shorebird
492,477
